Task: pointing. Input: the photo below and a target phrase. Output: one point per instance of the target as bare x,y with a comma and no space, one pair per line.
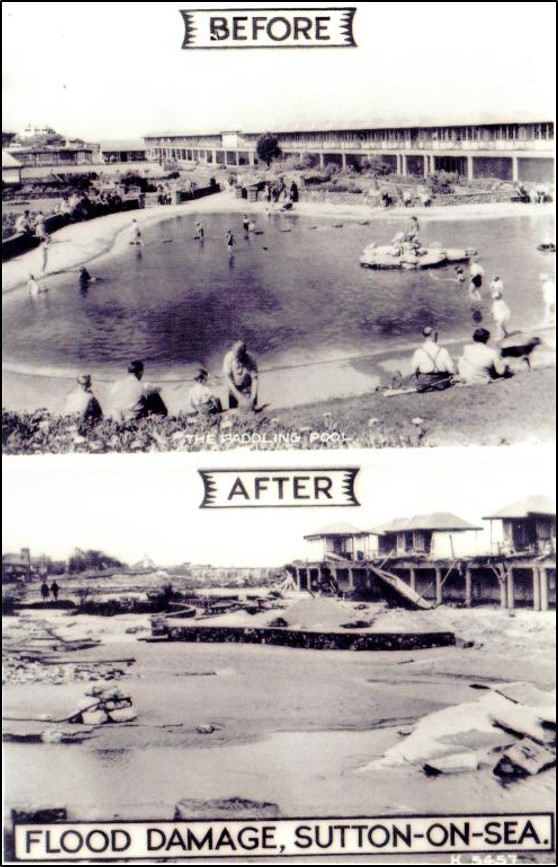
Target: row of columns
540,589
540,575
428,160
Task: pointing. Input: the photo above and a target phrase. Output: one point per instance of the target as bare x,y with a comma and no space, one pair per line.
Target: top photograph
207,246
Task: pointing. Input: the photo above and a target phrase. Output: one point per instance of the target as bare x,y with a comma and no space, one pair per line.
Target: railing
543,145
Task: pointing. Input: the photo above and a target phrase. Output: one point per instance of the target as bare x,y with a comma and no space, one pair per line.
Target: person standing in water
135,234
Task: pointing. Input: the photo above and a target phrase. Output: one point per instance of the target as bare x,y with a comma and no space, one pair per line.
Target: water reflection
299,291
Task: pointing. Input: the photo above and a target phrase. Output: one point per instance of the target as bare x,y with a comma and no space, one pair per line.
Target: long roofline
359,124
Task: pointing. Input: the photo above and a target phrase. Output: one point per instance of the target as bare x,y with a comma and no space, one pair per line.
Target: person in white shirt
81,401
34,287
497,285
501,314
431,365
241,376
131,400
135,234
202,400
480,363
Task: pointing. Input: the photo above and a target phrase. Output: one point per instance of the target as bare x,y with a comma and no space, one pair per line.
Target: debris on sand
229,808
466,737
109,706
318,613
455,763
525,759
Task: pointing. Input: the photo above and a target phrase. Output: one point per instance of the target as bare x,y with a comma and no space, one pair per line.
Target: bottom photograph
224,659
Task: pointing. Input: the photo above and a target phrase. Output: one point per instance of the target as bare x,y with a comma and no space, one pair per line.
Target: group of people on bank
132,399
433,369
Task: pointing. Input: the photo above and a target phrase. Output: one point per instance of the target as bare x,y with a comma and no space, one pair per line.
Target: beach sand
302,729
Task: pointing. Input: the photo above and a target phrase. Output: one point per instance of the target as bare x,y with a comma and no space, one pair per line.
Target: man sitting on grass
481,363
202,400
130,400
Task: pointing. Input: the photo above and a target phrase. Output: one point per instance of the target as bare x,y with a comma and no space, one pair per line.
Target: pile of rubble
510,731
17,670
104,705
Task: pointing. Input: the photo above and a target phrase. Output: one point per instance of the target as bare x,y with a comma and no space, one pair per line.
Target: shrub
443,182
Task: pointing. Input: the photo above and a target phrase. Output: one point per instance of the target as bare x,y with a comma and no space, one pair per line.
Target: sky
113,70
131,505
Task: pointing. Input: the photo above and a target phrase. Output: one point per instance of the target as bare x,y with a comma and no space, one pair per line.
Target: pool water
296,291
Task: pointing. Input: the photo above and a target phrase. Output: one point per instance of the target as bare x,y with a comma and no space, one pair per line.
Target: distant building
123,151
16,565
510,150
55,156
23,565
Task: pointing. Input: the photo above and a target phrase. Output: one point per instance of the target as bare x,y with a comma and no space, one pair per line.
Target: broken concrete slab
455,763
121,715
525,759
526,693
94,717
229,808
523,722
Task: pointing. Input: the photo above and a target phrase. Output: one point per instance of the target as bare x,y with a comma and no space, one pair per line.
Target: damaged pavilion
422,561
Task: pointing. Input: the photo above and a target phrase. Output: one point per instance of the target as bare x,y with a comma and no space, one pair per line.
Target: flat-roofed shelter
341,541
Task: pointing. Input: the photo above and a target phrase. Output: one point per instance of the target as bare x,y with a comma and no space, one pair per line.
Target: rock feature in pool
407,256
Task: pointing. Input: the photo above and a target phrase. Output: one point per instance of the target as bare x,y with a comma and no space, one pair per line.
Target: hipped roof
437,521
535,505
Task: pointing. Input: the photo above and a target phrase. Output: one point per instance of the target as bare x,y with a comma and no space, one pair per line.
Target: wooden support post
439,593
537,577
470,168
544,588
412,578
511,595
515,169
504,590
468,588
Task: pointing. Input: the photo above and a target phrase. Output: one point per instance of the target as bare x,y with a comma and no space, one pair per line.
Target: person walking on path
54,589
45,592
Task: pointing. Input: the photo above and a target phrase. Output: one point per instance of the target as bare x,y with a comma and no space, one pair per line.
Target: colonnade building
517,152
